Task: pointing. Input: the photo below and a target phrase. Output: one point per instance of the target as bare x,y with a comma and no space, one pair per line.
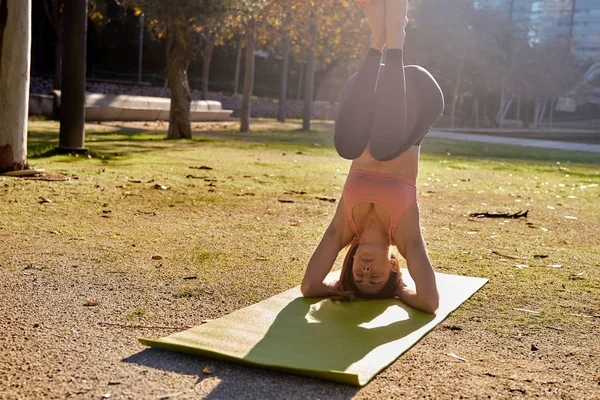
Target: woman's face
372,267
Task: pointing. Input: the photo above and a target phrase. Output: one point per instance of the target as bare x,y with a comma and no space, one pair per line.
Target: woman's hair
348,290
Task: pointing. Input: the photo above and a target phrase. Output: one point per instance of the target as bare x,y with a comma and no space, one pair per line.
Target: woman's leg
389,128
355,116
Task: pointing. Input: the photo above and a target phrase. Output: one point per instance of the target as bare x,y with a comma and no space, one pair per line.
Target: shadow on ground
242,381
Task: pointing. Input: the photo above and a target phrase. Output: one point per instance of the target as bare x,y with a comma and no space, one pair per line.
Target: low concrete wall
104,107
40,104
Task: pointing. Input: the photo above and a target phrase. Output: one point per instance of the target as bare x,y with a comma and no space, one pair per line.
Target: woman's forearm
320,289
424,302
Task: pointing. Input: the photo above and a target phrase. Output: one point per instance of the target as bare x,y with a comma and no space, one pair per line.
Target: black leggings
374,106
368,101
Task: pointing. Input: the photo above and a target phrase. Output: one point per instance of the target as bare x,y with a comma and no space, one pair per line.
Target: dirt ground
142,241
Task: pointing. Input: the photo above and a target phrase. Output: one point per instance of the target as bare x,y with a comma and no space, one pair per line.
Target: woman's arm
336,237
411,245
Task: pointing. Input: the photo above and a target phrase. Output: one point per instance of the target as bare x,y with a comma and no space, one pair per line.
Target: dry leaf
206,370
160,187
91,304
157,257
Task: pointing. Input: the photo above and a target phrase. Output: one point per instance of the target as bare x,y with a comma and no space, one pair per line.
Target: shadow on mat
311,333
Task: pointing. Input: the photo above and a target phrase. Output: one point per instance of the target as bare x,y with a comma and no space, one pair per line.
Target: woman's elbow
305,289
432,303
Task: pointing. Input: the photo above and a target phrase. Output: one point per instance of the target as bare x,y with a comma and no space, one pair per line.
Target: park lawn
150,239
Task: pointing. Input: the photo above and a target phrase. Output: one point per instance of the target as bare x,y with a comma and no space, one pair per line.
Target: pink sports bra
394,193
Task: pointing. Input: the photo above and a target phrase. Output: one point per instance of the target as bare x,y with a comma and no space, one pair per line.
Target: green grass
237,231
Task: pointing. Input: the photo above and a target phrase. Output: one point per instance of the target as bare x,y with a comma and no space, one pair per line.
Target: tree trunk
476,113
238,63
55,17
551,116
287,42
456,89
178,60
206,58
72,103
309,85
58,61
248,76
15,21
300,80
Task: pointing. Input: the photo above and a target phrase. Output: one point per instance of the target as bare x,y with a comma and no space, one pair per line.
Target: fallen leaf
555,328
43,200
160,187
299,192
457,357
157,257
326,199
453,327
91,304
578,276
206,370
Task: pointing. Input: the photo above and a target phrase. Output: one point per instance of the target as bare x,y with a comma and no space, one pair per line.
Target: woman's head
369,272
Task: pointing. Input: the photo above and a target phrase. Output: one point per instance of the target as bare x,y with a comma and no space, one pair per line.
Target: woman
380,126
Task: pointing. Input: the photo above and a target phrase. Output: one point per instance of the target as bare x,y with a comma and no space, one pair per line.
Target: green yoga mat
339,341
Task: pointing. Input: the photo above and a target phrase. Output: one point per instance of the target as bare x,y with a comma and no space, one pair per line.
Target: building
575,22
518,11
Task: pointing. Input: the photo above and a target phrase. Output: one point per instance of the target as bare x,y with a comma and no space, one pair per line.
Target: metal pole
141,53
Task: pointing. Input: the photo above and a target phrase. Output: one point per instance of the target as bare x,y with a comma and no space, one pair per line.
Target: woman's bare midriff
406,164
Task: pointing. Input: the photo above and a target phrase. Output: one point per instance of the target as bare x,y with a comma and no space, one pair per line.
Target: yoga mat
339,341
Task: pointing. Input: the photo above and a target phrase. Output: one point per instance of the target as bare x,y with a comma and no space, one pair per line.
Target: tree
178,21
537,74
319,32
54,13
15,45
249,14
